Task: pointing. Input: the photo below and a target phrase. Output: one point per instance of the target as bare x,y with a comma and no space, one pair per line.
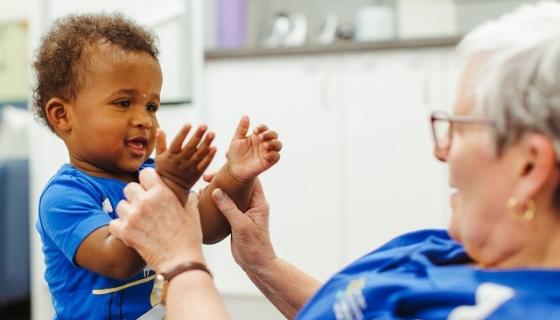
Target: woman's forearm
192,295
287,287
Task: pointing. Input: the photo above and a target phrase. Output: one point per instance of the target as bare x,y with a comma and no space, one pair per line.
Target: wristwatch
162,279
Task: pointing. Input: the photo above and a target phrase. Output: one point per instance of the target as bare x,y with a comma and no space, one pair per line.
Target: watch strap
162,279
184,267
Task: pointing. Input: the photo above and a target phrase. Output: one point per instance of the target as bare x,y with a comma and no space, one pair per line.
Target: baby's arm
104,254
247,157
181,166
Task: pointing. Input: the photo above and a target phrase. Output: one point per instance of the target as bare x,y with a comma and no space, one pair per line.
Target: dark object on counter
346,31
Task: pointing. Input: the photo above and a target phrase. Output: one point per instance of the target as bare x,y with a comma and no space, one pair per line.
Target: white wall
13,10
356,166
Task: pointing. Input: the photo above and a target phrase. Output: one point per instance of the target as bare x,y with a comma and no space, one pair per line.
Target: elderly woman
500,258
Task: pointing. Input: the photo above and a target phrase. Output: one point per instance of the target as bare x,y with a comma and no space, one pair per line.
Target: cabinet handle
325,93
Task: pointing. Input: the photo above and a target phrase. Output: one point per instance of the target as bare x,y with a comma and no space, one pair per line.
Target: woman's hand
251,246
152,221
283,284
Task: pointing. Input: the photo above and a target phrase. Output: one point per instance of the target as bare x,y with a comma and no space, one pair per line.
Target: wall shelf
339,47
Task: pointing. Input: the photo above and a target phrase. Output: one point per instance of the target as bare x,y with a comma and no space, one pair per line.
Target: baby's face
113,117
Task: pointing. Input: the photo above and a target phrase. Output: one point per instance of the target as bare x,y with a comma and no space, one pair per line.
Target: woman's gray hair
515,67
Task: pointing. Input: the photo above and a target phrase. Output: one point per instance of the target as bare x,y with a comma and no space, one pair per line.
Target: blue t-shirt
426,275
72,205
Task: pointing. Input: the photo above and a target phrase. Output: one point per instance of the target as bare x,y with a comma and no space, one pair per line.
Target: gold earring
529,213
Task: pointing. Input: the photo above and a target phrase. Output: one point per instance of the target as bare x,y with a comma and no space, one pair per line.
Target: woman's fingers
207,177
235,217
133,190
149,178
258,198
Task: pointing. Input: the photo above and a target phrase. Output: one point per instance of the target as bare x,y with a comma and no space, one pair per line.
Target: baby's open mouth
138,145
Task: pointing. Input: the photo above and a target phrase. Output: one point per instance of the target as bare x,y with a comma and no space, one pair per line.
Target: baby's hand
249,156
181,166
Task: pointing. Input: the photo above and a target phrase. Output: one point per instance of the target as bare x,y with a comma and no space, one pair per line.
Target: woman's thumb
225,204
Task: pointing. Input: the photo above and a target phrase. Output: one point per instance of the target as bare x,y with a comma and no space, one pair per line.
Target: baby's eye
123,103
152,107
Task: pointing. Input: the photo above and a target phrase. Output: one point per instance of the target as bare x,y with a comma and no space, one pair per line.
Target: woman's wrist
259,269
186,266
169,262
165,279
180,191
197,274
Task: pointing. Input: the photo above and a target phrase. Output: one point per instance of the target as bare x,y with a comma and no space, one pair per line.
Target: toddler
98,83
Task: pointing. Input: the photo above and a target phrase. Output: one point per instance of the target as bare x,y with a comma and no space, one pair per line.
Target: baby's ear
57,111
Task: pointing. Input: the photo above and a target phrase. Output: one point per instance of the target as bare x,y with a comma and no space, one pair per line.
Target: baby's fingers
274,145
204,147
268,135
192,145
242,128
272,157
161,144
177,143
205,162
260,129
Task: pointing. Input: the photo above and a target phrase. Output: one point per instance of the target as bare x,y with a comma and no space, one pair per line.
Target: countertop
339,47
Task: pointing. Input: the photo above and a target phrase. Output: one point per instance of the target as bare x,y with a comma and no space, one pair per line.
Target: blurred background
347,84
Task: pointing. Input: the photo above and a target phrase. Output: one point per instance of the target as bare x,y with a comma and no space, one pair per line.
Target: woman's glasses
442,129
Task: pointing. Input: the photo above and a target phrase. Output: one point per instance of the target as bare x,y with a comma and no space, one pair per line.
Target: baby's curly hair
59,62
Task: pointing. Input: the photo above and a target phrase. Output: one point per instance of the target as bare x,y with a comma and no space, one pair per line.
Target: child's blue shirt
73,205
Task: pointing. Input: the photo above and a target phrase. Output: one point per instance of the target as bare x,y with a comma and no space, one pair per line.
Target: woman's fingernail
219,194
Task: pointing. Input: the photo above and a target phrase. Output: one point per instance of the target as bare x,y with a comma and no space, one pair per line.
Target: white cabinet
356,168
393,183
299,99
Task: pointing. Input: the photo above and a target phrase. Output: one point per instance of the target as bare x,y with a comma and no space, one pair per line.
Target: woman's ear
57,111
538,169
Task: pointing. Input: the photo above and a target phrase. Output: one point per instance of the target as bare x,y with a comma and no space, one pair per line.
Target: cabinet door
173,21
298,98
392,182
